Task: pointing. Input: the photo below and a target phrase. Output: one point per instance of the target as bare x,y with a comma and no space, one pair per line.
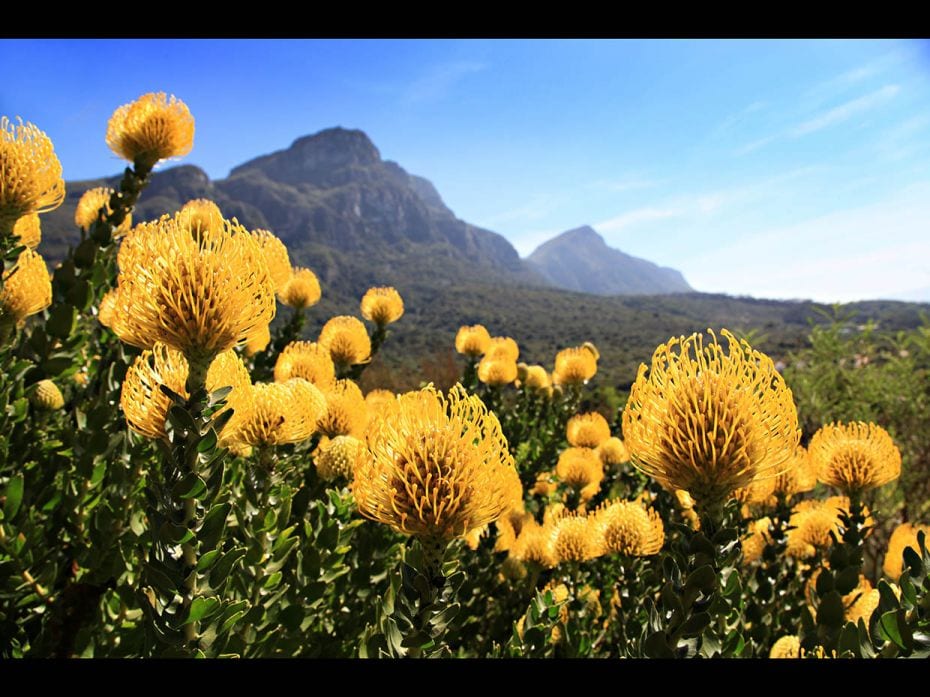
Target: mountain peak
580,260
316,158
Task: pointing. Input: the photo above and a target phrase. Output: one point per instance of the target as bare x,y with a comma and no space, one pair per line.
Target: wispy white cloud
439,80
845,111
527,241
635,217
754,145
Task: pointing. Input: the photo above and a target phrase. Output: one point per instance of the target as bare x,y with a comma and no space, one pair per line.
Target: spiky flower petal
150,129
29,230
346,413
580,467
279,263
710,421
613,452
576,537
438,466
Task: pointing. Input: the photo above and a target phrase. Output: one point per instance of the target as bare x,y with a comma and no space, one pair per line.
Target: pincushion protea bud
335,458
903,536
346,413
46,395
150,129
627,527
503,348
30,173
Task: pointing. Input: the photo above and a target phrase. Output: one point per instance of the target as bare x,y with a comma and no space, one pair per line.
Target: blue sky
783,169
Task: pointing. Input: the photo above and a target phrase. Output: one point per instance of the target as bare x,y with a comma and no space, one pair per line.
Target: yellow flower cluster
27,289
347,341
150,129
346,413
853,457
574,366
307,360
88,210
382,306
30,173
472,341
201,215
29,230
282,412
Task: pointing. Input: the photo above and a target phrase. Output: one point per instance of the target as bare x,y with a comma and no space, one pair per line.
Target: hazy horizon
774,169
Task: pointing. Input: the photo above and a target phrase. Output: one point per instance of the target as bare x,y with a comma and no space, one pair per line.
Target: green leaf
224,566
830,612
14,496
190,486
214,523
889,628
272,581
847,580
61,320
695,624
702,578
232,614
824,582
203,608
656,646
207,441
207,560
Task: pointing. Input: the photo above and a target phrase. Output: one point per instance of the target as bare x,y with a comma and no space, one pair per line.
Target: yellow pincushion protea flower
335,458
503,348
580,467
258,340
347,341
282,412
377,399
308,360
382,305
438,466
587,430
536,378
903,536
346,413
811,528
757,539
47,396
710,421
786,647
612,452
799,477
200,215
199,296
576,537
30,173
534,545
29,230
854,456
150,129
302,289
472,341
279,263
509,526
496,371
759,491
574,366
146,406
106,311
629,528
865,603
27,289
88,209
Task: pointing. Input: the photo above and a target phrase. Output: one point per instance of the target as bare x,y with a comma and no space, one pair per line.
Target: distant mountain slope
580,260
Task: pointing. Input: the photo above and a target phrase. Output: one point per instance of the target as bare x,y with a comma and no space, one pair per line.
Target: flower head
200,215
497,371
27,289
438,466
472,341
576,537
258,340
613,452
534,545
308,360
903,536
88,209
146,406
503,348
283,412
536,378
629,528
346,413
757,539
302,290
711,422
382,305
854,456
347,341
580,467
47,396
150,129
199,296
813,524
279,263
30,173
29,230
377,399
587,430
798,477
786,647
335,457
574,366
